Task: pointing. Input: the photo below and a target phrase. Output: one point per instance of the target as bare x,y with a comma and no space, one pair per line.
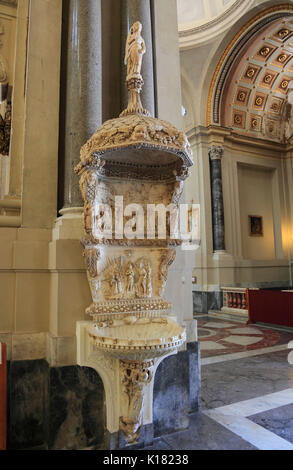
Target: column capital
216,152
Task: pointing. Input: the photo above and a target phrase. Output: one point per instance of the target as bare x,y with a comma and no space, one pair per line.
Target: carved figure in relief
121,278
87,217
141,286
134,51
116,284
288,114
166,260
149,280
129,285
92,255
134,379
3,70
140,133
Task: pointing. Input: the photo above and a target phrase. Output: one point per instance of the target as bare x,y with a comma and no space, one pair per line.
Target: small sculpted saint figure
142,281
135,49
129,279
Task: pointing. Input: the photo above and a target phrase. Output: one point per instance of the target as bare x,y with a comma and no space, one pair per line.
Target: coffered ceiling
255,98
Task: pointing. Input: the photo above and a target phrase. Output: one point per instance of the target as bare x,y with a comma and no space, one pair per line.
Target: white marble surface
242,340
234,356
251,432
247,331
220,325
234,418
259,404
210,346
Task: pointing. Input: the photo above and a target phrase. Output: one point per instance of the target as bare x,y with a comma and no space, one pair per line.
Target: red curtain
275,307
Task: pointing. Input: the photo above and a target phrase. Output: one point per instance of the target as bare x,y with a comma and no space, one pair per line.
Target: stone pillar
40,130
81,89
216,154
132,11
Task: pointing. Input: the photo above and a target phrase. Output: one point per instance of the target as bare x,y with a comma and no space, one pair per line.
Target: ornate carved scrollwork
5,131
167,259
134,377
92,256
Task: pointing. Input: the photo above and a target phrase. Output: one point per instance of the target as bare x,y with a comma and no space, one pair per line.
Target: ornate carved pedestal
128,164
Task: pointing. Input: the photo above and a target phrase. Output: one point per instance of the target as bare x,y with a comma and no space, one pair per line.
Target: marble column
81,90
216,154
132,11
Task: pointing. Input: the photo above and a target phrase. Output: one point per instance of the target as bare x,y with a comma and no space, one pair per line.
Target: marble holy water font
145,161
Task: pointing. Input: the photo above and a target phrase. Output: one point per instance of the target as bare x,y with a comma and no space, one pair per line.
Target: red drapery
275,307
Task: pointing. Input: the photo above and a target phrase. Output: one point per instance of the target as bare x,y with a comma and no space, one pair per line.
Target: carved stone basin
138,339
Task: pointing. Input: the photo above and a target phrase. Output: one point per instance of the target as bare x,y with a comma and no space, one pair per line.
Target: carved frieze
121,278
123,307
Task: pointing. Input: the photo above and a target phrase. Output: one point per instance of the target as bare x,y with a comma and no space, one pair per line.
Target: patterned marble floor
247,390
220,337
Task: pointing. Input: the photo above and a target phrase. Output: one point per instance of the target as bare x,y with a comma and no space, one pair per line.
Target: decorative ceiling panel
254,99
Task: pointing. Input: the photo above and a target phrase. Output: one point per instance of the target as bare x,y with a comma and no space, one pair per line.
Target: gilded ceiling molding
231,52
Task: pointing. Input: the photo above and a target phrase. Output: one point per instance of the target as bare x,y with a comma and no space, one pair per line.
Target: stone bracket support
111,374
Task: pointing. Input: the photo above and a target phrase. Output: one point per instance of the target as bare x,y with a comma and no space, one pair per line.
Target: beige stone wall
256,199
44,288
169,107
43,282
241,264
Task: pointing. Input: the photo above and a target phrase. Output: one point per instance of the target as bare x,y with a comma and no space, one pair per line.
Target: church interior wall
242,264
43,284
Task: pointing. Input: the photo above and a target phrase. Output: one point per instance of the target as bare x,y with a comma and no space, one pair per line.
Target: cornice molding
203,27
219,136
194,36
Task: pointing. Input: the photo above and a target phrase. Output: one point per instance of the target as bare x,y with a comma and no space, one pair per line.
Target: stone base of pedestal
63,407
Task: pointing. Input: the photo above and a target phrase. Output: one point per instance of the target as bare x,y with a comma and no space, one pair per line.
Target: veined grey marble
27,406
81,87
245,378
203,434
63,407
132,11
279,421
177,390
204,301
215,154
